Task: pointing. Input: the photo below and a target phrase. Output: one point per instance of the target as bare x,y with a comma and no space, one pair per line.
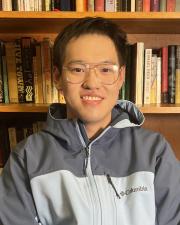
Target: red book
99,5
146,5
164,79
171,5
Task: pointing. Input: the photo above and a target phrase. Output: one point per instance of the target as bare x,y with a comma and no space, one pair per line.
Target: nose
91,81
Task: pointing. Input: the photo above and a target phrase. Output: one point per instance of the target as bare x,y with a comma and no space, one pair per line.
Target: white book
6,5
147,76
133,5
139,73
110,5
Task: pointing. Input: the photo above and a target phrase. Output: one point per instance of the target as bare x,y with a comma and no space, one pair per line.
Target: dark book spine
19,71
155,6
164,83
1,80
171,72
27,62
128,72
126,6
65,5
4,72
73,5
56,5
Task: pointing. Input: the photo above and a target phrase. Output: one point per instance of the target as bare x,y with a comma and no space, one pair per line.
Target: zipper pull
111,183
86,159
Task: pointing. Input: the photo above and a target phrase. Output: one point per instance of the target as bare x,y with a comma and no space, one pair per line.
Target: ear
57,79
122,73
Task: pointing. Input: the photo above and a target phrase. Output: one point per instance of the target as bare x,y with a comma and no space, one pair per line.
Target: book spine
65,5
147,76
4,72
19,71
110,6
126,6
27,62
91,5
171,5
162,5
80,6
6,5
171,72
139,5
1,79
12,137
133,5
46,69
153,96
158,80
177,95
11,71
146,5
99,5
164,83
155,6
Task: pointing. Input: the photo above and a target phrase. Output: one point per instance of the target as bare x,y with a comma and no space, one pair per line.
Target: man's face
91,101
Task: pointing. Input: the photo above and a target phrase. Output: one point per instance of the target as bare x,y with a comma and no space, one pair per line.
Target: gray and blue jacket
125,176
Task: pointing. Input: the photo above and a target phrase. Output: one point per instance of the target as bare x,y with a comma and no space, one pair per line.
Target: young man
93,164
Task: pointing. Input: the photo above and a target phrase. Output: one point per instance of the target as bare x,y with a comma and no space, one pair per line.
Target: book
1,80
171,4
139,5
99,5
177,86
65,5
146,5
126,6
19,71
27,62
158,80
46,52
171,73
164,76
162,5
153,92
147,76
137,73
90,6
155,5
4,72
110,5
11,72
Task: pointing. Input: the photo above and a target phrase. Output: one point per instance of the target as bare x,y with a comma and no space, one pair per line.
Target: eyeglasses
107,73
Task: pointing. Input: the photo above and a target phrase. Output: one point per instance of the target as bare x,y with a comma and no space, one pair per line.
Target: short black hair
89,25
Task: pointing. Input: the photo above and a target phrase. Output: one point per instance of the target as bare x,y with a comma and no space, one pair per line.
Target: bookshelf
155,29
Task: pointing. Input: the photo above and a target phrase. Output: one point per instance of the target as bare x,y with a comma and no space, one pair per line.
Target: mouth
91,100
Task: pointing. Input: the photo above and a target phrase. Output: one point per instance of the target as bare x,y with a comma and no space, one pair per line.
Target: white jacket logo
132,190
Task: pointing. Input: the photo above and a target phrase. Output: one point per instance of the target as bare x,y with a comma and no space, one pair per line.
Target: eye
76,69
106,69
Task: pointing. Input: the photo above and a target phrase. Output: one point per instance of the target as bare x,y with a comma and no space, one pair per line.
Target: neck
94,129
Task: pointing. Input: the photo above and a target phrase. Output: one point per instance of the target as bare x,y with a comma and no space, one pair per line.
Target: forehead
89,47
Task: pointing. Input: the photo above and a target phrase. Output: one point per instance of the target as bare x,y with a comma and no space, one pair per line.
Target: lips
91,99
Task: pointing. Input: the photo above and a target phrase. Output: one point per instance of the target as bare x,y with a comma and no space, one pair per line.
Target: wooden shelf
160,109
43,108
52,22
36,108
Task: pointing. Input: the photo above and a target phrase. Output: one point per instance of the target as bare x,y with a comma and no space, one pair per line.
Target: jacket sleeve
16,202
167,187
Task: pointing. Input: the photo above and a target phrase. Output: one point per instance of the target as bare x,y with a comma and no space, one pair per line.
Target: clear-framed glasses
107,73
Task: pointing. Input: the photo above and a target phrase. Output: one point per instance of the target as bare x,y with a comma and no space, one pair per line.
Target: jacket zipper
111,183
86,160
